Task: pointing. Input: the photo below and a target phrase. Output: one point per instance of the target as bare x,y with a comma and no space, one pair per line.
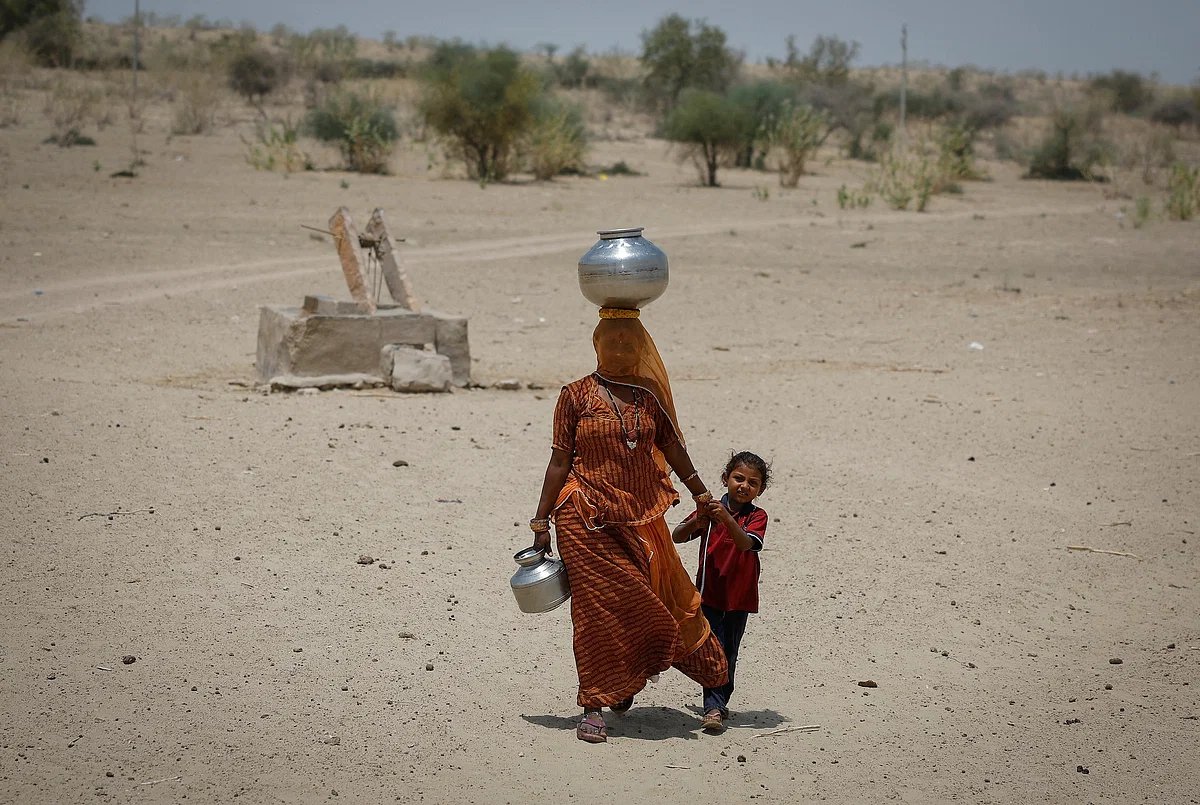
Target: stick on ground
1101,550
805,728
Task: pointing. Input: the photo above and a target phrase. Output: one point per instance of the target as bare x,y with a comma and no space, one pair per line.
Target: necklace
631,441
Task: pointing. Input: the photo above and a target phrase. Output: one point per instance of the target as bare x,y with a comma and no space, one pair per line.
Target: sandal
622,706
592,728
713,721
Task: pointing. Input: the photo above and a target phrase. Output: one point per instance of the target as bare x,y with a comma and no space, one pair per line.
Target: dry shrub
68,106
1143,150
16,64
275,147
1183,192
557,141
196,104
913,178
1073,147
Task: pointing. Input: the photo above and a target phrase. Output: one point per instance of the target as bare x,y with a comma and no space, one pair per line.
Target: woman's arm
677,456
557,470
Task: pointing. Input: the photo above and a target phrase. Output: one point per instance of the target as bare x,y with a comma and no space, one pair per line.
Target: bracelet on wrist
539,524
695,474
703,497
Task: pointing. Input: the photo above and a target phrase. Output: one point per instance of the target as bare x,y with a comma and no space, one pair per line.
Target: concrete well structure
327,343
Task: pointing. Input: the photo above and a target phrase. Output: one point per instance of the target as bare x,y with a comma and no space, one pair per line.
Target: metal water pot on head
540,583
623,270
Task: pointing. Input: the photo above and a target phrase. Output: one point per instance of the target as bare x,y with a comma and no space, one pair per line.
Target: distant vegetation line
495,113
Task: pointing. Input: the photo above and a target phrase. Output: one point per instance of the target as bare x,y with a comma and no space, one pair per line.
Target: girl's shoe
713,721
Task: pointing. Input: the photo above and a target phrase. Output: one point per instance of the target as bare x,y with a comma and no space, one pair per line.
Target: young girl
729,568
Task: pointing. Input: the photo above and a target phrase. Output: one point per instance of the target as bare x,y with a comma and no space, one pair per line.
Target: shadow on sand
661,723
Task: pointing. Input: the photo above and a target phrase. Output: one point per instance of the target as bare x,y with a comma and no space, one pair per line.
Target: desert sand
158,505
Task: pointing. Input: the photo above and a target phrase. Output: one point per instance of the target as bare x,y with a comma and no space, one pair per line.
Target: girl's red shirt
728,577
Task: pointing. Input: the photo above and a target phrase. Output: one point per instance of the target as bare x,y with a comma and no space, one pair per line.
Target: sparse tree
573,72
254,74
708,128
827,62
50,29
678,53
482,104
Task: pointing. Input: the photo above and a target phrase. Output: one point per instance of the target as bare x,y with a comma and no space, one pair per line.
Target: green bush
794,134
481,103
363,128
1183,192
276,147
1141,212
758,105
50,29
1123,91
1072,148
848,199
1177,110
708,127
558,139
903,180
956,153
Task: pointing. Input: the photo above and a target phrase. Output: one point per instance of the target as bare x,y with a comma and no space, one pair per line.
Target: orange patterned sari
634,608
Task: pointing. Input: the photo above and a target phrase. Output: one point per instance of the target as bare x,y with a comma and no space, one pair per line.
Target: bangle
695,474
539,524
703,497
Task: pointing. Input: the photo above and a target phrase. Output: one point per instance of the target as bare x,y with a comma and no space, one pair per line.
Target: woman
634,609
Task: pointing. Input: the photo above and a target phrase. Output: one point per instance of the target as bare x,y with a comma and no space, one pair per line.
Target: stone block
450,339
329,340
320,304
416,370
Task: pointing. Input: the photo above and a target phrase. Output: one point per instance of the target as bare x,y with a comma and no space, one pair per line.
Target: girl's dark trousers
729,628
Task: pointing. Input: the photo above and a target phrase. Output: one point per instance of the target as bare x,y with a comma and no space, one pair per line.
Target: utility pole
137,24
903,85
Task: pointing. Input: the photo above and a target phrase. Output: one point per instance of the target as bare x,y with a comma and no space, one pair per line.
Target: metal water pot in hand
540,583
623,270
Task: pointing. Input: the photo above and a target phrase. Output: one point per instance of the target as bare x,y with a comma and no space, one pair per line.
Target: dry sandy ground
925,494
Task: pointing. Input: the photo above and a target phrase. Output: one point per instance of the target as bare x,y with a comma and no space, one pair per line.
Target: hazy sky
1084,36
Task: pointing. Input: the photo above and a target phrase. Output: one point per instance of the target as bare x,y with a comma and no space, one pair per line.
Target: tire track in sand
82,295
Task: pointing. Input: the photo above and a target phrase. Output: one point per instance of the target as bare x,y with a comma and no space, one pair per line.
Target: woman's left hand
541,541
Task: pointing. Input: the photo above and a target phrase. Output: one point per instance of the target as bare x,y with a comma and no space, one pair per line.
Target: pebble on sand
1115,661
129,659
867,683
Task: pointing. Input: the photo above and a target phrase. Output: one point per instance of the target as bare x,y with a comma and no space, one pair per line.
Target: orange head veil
626,354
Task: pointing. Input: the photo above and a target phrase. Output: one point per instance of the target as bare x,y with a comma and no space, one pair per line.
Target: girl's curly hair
754,462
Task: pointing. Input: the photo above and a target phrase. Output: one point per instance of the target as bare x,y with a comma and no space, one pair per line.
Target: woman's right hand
541,541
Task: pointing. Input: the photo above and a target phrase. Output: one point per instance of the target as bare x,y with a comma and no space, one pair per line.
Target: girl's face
743,484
